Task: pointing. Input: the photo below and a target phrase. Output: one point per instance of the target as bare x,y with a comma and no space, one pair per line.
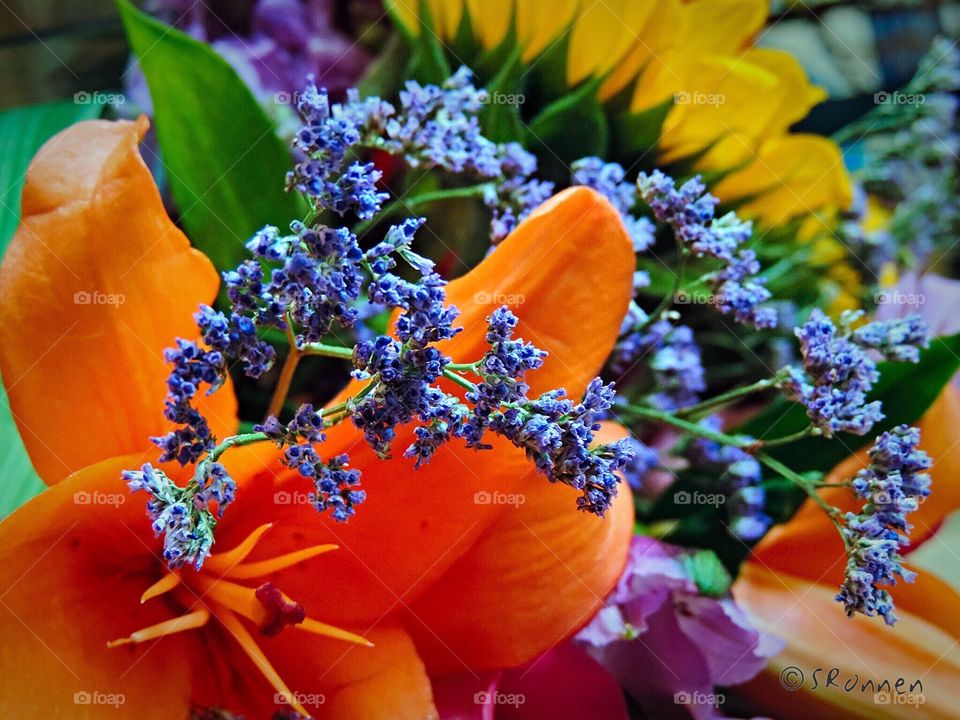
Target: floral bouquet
454,359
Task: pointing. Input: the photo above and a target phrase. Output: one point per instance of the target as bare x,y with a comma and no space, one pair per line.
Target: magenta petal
466,696
564,684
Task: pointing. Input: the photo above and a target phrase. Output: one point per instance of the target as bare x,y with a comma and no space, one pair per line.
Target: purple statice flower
328,134
893,485
193,366
644,459
557,435
336,485
517,193
691,213
608,179
739,474
671,353
319,281
187,531
838,371
662,637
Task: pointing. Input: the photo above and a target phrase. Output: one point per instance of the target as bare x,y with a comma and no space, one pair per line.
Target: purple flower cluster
669,351
838,371
690,211
188,533
892,485
432,127
739,474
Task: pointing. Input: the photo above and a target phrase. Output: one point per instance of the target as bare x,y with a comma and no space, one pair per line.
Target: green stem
459,379
411,203
335,351
809,431
463,367
690,427
701,409
236,441
808,487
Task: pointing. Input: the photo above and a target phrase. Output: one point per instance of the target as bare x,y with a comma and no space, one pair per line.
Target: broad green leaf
225,163
570,128
638,133
22,132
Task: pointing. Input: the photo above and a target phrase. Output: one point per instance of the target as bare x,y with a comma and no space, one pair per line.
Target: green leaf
225,162
905,389
570,128
500,116
709,574
639,133
22,132
429,63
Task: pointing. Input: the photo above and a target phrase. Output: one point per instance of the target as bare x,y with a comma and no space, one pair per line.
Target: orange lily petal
809,545
535,578
387,680
73,564
415,524
819,635
95,283
566,272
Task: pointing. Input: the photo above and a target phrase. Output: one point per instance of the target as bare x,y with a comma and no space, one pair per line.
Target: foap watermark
685,497
84,297
98,98
304,699
699,98
487,697
884,691
282,97
95,697
909,699
683,297
295,497
898,98
699,698
85,497
482,497
895,297
499,298
485,97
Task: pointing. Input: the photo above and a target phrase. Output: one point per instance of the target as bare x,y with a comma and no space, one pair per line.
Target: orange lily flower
788,587
436,575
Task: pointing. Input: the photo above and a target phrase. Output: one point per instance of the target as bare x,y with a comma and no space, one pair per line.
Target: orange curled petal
536,577
95,284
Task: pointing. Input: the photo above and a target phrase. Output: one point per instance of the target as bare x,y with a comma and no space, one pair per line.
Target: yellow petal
603,34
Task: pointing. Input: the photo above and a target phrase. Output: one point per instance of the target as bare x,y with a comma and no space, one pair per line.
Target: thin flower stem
335,351
236,441
808,487
690,427
463,367
459,379
809,431
669,299
701,409
283,382
408,204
